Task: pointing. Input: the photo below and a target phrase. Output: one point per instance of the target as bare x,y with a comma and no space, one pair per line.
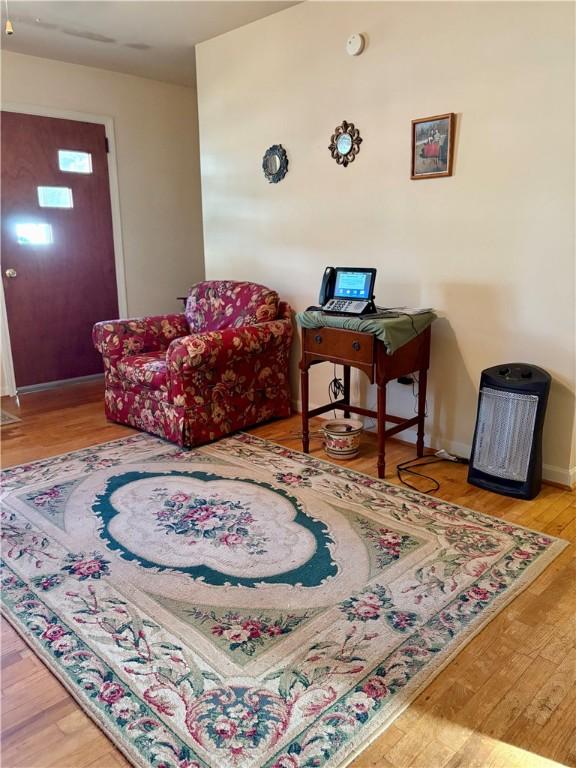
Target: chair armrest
198,363
116,338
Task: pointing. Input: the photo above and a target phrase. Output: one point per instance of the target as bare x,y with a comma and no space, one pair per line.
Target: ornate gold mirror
345,143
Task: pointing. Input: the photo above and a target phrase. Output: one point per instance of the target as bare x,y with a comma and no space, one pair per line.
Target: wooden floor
508,699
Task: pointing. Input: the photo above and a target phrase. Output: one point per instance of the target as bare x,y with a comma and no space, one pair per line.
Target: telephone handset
347,290
327,287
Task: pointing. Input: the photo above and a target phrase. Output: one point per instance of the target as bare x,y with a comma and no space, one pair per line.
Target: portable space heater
507,449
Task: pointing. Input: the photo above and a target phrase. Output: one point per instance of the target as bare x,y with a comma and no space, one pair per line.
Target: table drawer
343,345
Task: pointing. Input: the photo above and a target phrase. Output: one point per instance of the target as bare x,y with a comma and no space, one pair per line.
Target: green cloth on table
393,331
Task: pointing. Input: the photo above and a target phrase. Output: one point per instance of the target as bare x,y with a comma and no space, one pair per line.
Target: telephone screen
352,285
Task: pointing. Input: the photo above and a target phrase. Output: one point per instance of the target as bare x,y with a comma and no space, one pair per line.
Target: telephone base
365,308
378,315
374,312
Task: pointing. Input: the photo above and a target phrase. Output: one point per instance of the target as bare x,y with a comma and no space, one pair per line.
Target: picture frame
432,146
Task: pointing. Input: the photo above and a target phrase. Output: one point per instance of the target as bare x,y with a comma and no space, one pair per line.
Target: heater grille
504,433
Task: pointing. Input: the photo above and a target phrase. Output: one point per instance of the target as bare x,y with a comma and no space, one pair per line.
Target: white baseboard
550,473
559,476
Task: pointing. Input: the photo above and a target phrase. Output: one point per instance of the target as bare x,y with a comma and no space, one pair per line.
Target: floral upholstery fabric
217,304
116,338
148,370
192,389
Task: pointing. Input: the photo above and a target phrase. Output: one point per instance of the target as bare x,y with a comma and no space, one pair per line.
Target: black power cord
409,466
335,389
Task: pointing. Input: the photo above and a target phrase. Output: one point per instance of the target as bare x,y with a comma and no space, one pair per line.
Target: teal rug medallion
243,605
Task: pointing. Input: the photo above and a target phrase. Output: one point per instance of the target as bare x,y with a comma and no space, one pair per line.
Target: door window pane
74,162
55,197
32,233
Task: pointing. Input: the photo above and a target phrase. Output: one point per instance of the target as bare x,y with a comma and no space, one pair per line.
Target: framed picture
432,146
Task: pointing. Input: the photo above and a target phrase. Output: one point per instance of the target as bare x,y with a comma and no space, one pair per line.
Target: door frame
8,377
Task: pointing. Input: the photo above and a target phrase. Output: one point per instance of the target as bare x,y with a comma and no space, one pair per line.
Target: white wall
492,248
156,135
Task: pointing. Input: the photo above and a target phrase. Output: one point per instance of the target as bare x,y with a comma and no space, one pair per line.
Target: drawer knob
356,346
318,339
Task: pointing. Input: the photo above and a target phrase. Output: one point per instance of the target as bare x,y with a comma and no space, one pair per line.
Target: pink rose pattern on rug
246,633
170,706
224,522
86,566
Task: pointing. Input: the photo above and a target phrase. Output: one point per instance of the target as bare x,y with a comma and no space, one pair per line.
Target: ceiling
148,38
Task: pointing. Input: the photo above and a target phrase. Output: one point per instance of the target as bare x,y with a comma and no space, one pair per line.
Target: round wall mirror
275,163
345,143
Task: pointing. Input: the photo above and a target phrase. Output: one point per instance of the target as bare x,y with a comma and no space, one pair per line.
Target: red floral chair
220,366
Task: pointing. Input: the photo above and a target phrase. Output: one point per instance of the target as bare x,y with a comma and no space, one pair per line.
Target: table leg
422,381
381,421
304,395
347,389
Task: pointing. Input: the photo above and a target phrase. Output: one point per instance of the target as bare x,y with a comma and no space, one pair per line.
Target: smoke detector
355,44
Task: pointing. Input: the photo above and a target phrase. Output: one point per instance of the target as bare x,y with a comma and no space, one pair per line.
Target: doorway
58,263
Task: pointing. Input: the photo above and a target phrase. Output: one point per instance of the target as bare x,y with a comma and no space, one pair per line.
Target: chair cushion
149,369
217,304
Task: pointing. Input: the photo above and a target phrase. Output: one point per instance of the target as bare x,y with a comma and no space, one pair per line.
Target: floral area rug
243,605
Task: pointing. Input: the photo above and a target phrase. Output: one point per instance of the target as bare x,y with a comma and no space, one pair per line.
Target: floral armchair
220,366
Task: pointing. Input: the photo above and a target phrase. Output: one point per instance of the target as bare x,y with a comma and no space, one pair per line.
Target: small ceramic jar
342,438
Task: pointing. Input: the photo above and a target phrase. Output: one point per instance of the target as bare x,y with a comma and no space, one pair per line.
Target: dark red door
58,266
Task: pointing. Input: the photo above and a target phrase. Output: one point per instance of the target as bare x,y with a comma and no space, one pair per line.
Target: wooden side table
367,353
